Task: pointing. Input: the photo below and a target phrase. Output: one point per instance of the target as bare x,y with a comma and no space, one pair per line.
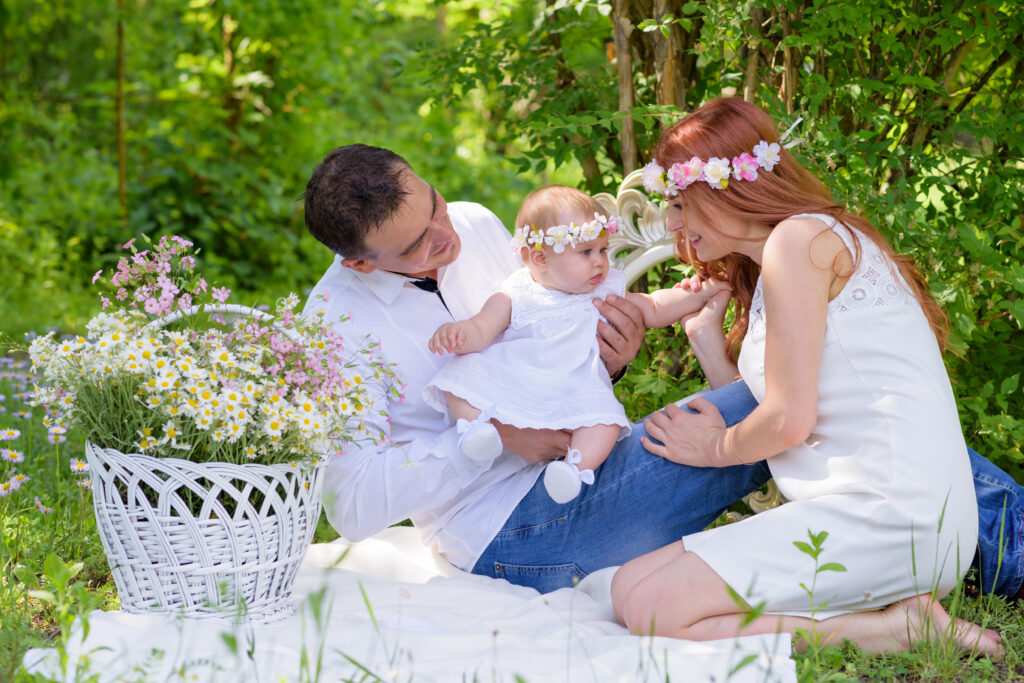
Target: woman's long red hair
727,127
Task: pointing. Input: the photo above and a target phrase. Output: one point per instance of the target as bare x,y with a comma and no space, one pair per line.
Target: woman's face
696,239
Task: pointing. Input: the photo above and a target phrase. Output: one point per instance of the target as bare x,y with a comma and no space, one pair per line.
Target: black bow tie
429,284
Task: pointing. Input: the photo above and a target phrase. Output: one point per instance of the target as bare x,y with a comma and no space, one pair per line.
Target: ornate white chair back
642,242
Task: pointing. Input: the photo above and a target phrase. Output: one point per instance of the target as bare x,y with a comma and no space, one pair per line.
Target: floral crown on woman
558,236
715,172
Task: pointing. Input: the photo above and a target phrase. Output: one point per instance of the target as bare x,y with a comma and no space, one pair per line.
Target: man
407,262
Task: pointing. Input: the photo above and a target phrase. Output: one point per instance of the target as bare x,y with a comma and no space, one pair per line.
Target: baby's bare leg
594,444
460,408
588,448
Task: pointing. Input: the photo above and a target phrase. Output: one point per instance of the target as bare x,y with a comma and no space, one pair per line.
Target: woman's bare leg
685,598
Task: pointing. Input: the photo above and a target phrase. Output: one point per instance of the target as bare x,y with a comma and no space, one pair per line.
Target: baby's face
576,270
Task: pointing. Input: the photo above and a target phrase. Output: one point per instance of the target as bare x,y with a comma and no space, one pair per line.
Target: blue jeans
640,502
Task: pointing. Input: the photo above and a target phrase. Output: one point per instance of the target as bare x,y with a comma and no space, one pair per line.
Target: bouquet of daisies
169,368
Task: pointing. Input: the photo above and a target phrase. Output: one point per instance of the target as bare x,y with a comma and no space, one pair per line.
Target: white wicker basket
244,546
238,555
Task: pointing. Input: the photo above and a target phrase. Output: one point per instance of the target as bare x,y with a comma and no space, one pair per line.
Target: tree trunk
4,49
122,145
788,65
624,63
753,54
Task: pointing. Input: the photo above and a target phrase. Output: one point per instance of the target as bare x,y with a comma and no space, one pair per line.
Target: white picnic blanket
389,609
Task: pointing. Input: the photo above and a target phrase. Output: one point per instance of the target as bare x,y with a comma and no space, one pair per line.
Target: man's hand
533,445
619,339
448,338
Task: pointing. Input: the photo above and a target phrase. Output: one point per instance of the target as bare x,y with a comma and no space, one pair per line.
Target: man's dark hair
352,191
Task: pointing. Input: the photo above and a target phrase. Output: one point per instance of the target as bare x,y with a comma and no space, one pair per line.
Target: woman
842,347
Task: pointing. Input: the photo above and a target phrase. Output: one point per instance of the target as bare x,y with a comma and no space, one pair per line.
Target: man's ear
360,265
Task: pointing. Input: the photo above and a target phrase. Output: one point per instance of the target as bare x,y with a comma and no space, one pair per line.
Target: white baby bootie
478,439
563,478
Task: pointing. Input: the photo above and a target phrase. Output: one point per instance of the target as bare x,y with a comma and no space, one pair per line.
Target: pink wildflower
744,167
221,294
686,174
129,243
97,275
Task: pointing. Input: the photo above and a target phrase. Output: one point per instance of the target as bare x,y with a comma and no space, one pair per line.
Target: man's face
417,240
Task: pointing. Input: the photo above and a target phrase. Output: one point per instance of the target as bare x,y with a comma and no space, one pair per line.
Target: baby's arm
476,333
667,306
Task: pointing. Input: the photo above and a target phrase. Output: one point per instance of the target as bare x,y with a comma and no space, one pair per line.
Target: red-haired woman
842,347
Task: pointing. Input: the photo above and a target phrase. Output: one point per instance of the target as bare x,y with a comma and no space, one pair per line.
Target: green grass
28,536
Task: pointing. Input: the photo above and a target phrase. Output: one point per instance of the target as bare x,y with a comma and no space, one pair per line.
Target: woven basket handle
235,309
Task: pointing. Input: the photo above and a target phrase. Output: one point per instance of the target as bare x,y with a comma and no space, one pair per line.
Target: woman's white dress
545,370
885,472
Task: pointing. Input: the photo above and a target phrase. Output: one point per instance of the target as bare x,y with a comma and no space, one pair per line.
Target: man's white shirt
419,473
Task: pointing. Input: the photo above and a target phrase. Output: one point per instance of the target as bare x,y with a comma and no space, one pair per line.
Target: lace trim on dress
876,282
532,303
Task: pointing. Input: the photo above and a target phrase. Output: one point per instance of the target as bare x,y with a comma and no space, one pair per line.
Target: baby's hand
448,338
701,282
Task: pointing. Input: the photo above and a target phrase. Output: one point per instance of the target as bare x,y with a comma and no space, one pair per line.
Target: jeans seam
499,568
531,527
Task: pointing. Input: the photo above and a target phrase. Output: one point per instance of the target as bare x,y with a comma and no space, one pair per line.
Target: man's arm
371,486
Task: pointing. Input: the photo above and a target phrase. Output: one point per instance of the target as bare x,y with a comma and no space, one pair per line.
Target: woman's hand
707,340
686,438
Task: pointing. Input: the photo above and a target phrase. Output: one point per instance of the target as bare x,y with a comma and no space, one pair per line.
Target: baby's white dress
885,471
545,370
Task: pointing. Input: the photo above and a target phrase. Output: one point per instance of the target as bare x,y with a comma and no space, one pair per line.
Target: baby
530,357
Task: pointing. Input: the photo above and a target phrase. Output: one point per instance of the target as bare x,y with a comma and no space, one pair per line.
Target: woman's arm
707,340
476,333
796,277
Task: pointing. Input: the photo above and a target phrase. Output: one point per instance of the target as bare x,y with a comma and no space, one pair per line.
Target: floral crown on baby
715,171
558,236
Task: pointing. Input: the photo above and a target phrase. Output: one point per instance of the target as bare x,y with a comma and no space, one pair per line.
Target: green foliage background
913,115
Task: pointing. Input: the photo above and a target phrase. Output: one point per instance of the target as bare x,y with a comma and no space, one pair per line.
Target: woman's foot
922,618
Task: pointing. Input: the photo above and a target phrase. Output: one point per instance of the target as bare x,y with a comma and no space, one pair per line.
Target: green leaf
831,567
230,641
1010,384
806,549
45,596
741,664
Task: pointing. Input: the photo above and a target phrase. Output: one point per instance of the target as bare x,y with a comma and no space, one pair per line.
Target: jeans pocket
545,578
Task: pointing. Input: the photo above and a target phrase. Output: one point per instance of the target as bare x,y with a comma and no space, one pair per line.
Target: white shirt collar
383,284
